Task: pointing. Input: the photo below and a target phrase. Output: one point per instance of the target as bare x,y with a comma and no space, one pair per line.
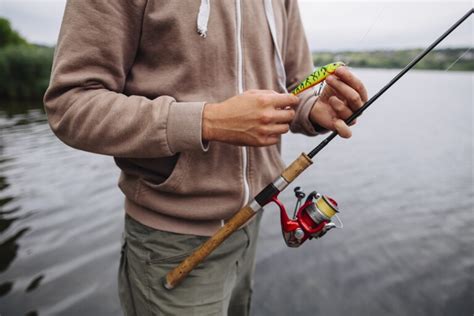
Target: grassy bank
440,59
24,71
24,68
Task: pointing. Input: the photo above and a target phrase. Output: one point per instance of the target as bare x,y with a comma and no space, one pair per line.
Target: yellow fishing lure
318,76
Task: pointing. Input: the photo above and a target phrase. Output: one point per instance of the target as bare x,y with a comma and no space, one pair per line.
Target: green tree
8,36
24,72
24,67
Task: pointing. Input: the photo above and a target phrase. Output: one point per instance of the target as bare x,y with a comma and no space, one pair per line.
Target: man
193,120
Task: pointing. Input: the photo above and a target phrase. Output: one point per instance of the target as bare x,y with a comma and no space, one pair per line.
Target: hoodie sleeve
298,65
85,104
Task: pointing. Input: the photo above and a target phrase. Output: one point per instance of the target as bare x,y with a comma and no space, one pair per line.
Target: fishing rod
312,219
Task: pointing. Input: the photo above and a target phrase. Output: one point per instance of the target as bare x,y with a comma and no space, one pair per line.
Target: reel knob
299,233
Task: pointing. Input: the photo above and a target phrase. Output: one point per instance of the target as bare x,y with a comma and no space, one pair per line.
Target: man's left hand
340,98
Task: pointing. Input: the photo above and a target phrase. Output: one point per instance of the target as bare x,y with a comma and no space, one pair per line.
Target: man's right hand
254,118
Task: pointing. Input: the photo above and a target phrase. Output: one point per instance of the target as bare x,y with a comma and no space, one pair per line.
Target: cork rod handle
175,276
296,168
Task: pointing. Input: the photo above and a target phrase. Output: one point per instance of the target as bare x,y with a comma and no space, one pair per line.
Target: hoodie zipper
241,90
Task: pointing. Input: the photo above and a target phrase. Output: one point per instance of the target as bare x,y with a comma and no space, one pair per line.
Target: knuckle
263,99
262,141
293,99
333,99
355,99
291,114
262,132
271,140
266,117
338,106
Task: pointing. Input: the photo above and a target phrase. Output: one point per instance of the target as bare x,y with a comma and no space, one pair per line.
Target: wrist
207,119
313,119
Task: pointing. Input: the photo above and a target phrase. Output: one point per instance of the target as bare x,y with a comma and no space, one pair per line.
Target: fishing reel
312,220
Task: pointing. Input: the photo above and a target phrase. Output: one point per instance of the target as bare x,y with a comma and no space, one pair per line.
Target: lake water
404,184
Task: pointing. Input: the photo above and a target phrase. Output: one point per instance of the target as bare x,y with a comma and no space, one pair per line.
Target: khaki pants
221,285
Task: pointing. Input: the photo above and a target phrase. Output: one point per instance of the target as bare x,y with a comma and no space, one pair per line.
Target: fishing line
359,112
376,20
454,63
347,60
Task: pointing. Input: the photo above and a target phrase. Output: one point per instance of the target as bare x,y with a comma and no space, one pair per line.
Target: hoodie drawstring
203,17
203,20
280,67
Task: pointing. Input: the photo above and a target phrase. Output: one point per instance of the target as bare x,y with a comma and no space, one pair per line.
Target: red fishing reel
312,220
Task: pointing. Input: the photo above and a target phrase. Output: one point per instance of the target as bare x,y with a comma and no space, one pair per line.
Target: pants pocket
173,248
207,289
124,286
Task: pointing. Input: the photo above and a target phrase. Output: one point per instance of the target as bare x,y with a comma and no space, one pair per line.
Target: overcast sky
330,25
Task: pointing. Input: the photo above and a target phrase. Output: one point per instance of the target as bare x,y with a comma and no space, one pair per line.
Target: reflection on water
34,283
404,185
5,288
54,249
9,249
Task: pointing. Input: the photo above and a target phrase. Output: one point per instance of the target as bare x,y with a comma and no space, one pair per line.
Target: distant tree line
24,68
440,59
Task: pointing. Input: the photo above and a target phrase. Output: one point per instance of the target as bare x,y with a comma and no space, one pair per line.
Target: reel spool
312,220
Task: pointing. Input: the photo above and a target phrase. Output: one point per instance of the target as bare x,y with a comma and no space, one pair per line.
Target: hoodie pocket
174,179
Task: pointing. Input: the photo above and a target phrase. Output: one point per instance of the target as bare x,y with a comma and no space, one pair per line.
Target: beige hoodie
130,79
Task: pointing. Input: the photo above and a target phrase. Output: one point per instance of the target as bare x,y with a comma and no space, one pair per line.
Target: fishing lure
318,76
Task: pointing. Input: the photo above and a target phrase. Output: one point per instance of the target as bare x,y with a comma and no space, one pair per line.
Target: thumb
283,100
342,129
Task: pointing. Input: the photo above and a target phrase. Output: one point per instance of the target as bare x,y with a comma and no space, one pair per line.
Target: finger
284,116
349,78
354,100
279,129
342,129
329,92
272,140
256,91
340,108
281,101
275,129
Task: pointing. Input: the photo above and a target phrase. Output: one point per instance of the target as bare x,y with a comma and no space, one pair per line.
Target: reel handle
298,193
